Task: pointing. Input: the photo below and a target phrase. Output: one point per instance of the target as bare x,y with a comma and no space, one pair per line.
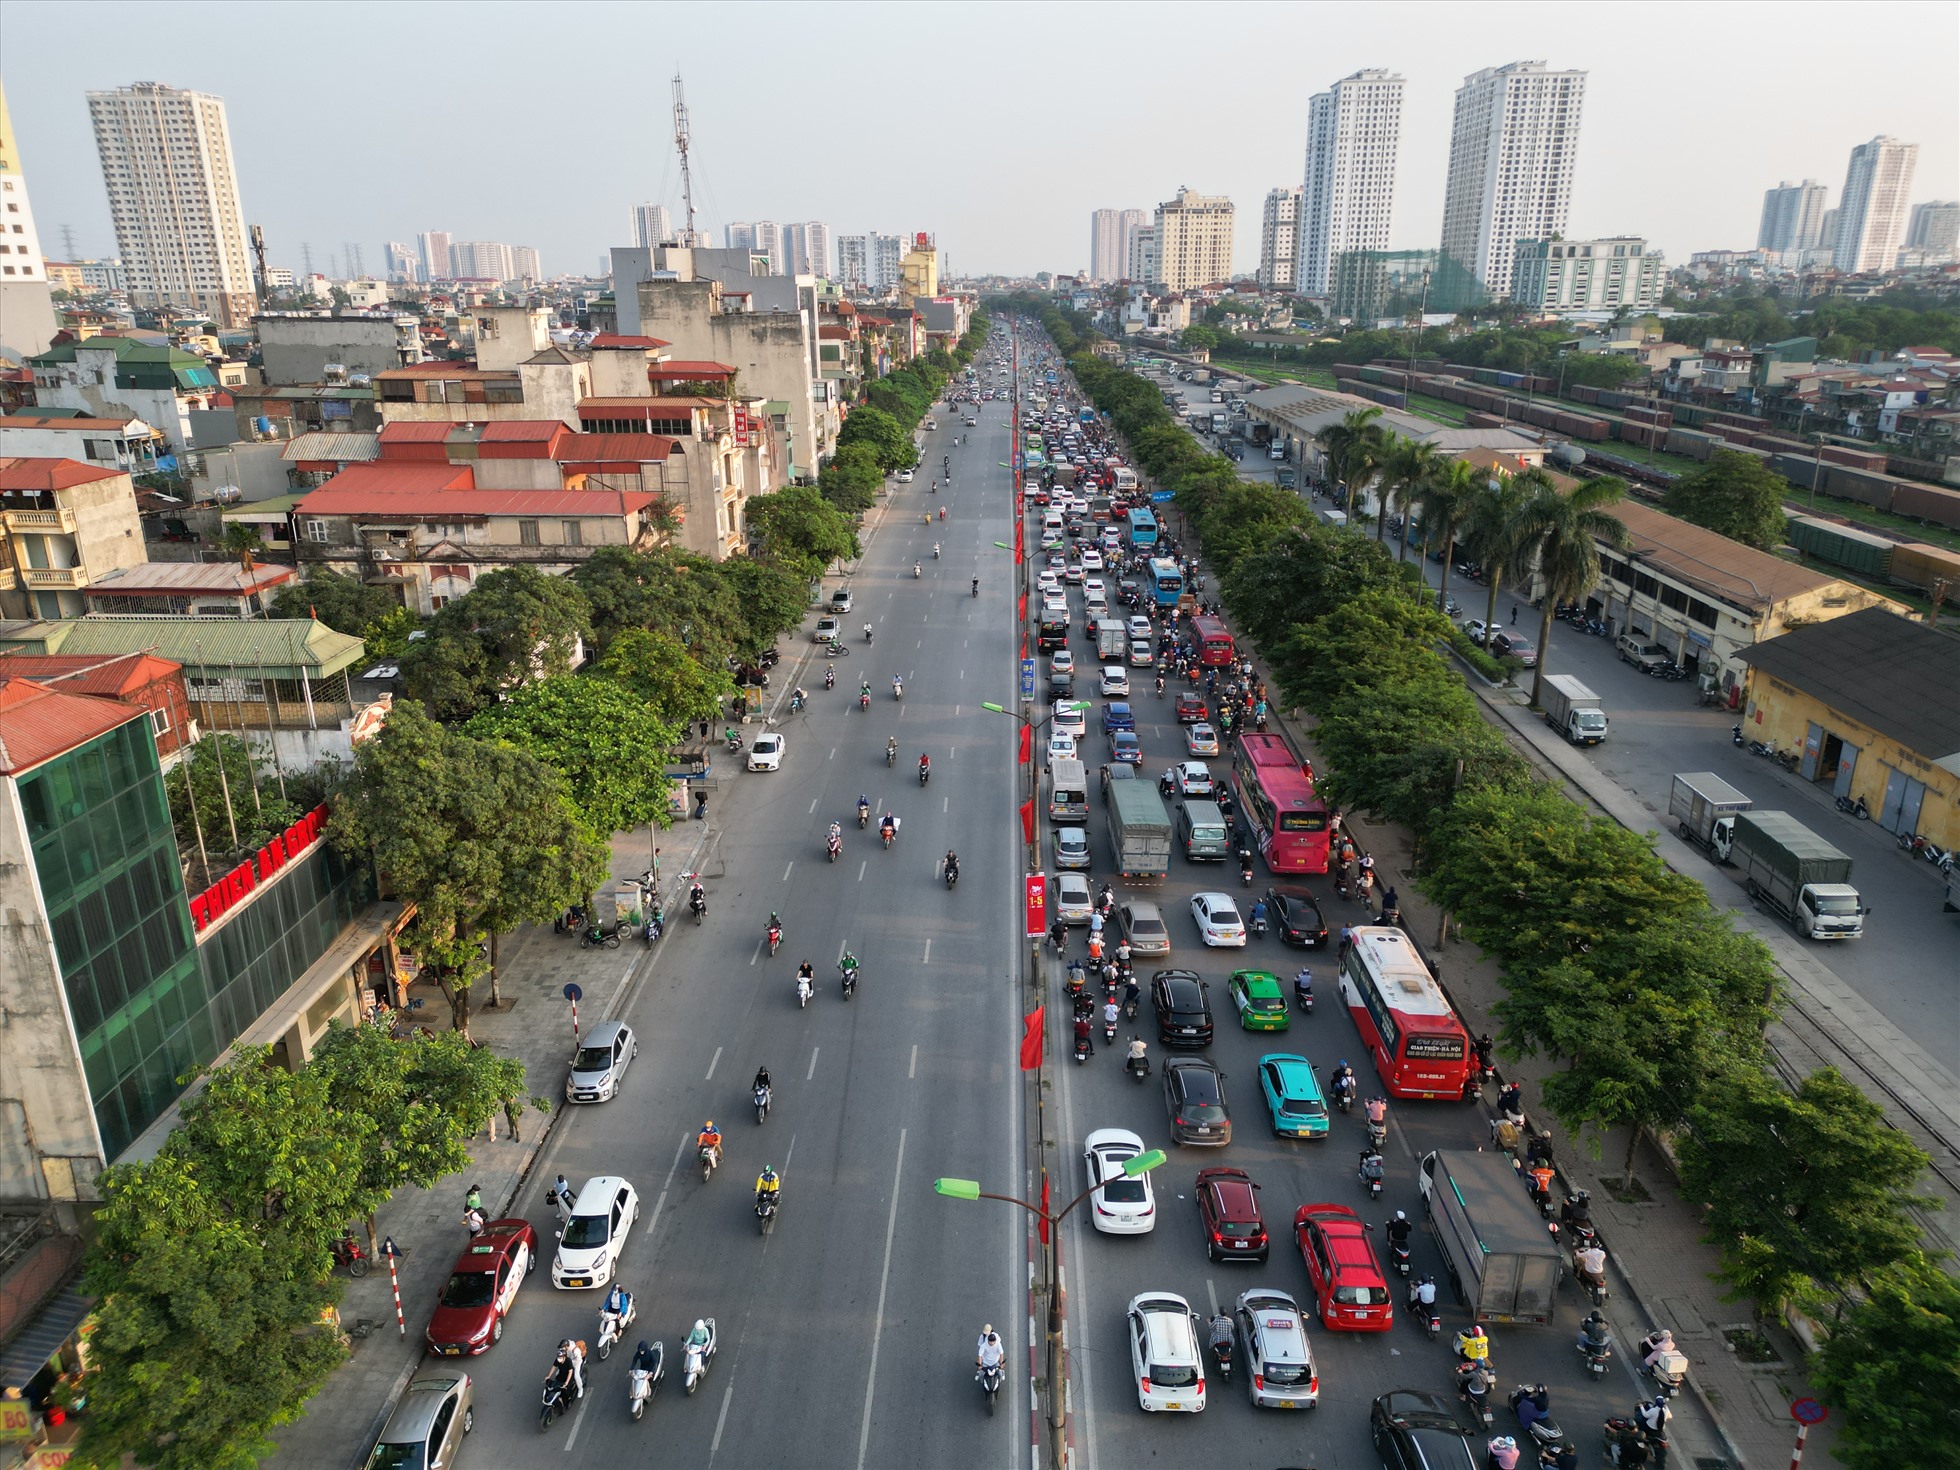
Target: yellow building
919,269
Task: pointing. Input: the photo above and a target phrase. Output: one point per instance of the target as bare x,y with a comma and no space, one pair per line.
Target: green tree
1372,639
345,604
1734,495
1599,370
687,597
1800,1187
223,802
1355,448
799,528
1561,532
515,625
882,434
1446,502
1200,338
1303,576
1495,530
852,479
770,596
659,669
604,739
1407,468
1891,1370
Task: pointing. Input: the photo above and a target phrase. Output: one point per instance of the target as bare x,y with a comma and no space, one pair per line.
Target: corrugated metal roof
106,675
224,578
387,477
412,432
40,473
524,431
615,448
282,647
685,369
38,723
1879,669
339,448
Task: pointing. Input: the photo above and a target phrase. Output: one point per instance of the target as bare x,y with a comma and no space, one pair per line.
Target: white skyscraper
853,262
741,235
27,321
404,263
769,242
1106,240
434,247
525,264
173,196
1871,217
1278,242
649,225
1935,228
1514,144
806,249
887,260
1353,130
1143,266
1793,216
1194,240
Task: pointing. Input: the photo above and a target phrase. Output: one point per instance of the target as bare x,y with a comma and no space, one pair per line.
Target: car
1063,662
1122,1206
1073,573
1142,655
1071,718
589,1246
1182,1004
1414,1429
1061,686
1295,917
1200,739
1125,748
1189,708
1218,921
1260,1002
1292,1095
429,1421
1165,1357
1479,630
827,629
1072,903
1350,1289
602,1059
971,423
1142,925
1280,1372
1193,778
904,477
1055,603
1071,847
1091,562
1094,589
1118,716
1139,627
1194,1093
1061,746
1048,581
1118,773
481,1289
1633,650
766,754
1228,1208
1514,645
1115,682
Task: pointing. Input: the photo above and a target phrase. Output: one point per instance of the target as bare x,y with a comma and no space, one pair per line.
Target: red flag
1027,744
1044,1209
1027,821
1031,1039
1022,610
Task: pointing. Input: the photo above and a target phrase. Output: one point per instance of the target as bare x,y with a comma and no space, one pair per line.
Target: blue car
1125,747
1292,1096
1118,717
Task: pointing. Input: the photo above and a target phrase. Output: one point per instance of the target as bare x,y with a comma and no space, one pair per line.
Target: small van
1635,649
1201,829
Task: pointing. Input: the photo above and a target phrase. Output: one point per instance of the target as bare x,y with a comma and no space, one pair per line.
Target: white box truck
1573,710
1706,806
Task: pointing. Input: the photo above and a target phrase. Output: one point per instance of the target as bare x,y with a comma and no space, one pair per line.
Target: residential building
278,278
1194,240
205,589
1827,232
887,261
1588,275
300,347
173,196
104,375
1108,238
1934,227
854,262
404,264
434,248
120,441
919,270
27,323
142,679
525,264
769,242
1353,131
64,525
1388,286
1278,240
1145,267
1514,144
264,414
806,249
648,225
1793,216
1872,210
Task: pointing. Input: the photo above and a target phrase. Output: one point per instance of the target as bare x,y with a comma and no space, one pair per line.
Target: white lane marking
667,1183
758,952
861,868
813,1063
913,1070
578,1417
884,1281
792,861
928,957
833,756
790,1154
712,1064
814,800
727,1396
945,804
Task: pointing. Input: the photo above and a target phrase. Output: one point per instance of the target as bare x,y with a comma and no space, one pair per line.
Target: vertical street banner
1031,1034
1027,824
1036,896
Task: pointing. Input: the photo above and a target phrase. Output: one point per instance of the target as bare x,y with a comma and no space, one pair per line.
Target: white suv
1164,1355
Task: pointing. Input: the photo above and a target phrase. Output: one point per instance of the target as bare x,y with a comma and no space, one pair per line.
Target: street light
1071,705
970,1189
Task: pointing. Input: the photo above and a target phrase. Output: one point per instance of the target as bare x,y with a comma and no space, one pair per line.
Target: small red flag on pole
1027,744
1031,1040
1044,1209
1027,821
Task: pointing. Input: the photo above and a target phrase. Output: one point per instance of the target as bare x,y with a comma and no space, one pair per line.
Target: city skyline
1630,178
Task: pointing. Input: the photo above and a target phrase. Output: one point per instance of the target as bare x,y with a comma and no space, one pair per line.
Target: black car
1194,1092
1414,1430
1183,1005
1295,917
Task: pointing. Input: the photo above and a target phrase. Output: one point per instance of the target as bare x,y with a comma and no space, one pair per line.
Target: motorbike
1735,735
848,975
864,817
796,704
1109,1031
734,744
1593,1286
553,1403
1398,1257
1370,1175
649,1364
888,834
592,936
1082,1045
1421,1305
1303,990
1762,748
1257,924
834,845
833,649
952,874
1669,1371
775,939
802,991
1224,1339
1377,1134
1856,808
991,1378
656,923
710,1156
925,773
867,632
1344,1098
766,1205
1543,1431
1622,1433
830,678
898,689
891,755
864,700
1138,1066
1474,1383
612,1327
917,571
697,905
1596,1355
699,1359
763,1097
349,1252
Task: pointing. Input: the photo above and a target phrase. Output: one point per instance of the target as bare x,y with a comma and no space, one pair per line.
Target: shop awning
42,1338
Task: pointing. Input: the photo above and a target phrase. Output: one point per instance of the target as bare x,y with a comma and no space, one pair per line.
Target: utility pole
68,241
258,261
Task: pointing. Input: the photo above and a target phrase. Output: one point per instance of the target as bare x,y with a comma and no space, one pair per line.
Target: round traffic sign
1808,1411
573,993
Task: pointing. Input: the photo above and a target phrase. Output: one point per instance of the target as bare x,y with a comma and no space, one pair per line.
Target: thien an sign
242,881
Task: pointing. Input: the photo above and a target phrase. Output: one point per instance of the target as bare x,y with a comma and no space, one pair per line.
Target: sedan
602,1060
1228,1208
1115,682
1073,574
1142,655
1218,921
1292,1096
481,1289
767,753
594,1233
1122,1206
1091,562
1048,580
904,477
1417,1430
1200,739
427,1427
1182,1004
1194,1094
1193,778
1296,917
1063,662
1350,1288
1072,902
1060,747
1189,708
1260,1002
1140,627
1143,928
1093,588
1124,747
1279,1364
827,629
1071,847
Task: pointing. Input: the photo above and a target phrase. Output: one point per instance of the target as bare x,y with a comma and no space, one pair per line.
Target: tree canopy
516,624
799,528
1891,1371
880,432
1734,495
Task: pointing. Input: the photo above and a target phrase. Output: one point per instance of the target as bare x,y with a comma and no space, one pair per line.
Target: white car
1094,589
1071,847
1280,1371
1061,747
1071,718
1479,631
1201,739
1073,572
1165,1360
1091,561
767,753
1115,682
1218,921
1122,1206
1063,662
1193,778
904,477
1139,626
1072,902
594,1234
1048,580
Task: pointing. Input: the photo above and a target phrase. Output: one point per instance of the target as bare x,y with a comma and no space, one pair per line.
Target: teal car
1260,1002
1292,1096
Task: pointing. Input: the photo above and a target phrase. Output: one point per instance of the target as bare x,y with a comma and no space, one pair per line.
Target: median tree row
1615,967
876,439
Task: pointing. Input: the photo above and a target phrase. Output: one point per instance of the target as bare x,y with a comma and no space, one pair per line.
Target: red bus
1420,1047
1215,649
1288,819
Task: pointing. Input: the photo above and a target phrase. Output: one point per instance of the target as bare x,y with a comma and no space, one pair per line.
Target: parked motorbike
1735,734
592,936
649,1365
1856,808
349,1252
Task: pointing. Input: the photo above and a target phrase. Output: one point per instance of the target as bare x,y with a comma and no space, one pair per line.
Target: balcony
61,520
54,579
8,581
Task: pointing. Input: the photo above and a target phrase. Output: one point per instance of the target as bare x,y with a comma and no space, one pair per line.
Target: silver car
603,1057
426,1430
1071,847
1280,1369
1142,926
1072,902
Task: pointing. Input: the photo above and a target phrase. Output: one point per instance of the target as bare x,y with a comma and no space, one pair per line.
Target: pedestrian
473,1222
700,806
511,1114
474,1199
1514,614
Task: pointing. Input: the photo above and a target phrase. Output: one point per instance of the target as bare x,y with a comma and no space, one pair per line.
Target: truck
1503,1264
1573,710
1112,641
1706,806
1201,375
1139,829
1798,874
1218,423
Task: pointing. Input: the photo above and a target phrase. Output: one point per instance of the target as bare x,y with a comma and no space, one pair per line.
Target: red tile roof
415,433
834,334
382,478
44,472
522,431
415,503
614,339
38,723
105,675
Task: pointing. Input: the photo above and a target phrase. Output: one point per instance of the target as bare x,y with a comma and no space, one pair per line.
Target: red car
1228,1203
1189,709
1349,1285
481,1288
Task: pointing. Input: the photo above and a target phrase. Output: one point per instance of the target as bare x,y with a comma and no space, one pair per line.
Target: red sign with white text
1037,905
241,881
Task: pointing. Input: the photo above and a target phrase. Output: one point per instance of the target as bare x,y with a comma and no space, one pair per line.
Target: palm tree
1446,500
1354,449
1494,530
1407,466
1561,532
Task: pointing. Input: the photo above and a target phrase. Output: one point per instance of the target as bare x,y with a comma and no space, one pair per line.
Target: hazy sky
998,127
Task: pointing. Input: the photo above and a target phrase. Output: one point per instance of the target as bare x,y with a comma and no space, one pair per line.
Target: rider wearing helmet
1399,1230
989,1353
710,1138
767,1183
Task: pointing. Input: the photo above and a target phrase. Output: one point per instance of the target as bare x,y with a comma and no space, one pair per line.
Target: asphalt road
846,1335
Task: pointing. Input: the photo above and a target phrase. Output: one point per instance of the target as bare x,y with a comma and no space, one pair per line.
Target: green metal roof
139,364
280,647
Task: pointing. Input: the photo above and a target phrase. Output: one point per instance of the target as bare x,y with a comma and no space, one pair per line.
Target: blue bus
1085,414
1143,528
1166,581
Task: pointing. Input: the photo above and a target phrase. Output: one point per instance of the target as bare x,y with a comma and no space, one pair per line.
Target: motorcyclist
1594,1335
1654,1344
1109,1015
898,687
1130,999
1377,1110
806,974
988,1352
1371,1167
976,586
1653,1415
917,569
1472,1345
1577,1209
888,826
645,1359
710,1138
1085,1040
572,1355
848,966
830,678
1422,1291
561,1377
1340,1082
618,1306
1399,1230
935,551
952,863
864,810
697,899
775,929
891,741
1504,1453
867,639
1139,1056
767,1185
925,765
698,1337
1531,1405
1590,1262
762,1082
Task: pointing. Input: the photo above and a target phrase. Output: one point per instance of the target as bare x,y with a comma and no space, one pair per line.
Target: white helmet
700,1324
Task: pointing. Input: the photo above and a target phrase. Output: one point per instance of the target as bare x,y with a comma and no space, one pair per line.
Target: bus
1419,1045
1215,650
1289,822
1126,478
1085,414
1068,792
1166,581
1143,525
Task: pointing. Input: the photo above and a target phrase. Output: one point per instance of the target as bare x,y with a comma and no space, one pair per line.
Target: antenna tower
688,237
258,256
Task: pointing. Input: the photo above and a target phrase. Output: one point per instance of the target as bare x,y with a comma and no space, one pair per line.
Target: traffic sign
1808,1411
1027,678
1160,495
573,993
